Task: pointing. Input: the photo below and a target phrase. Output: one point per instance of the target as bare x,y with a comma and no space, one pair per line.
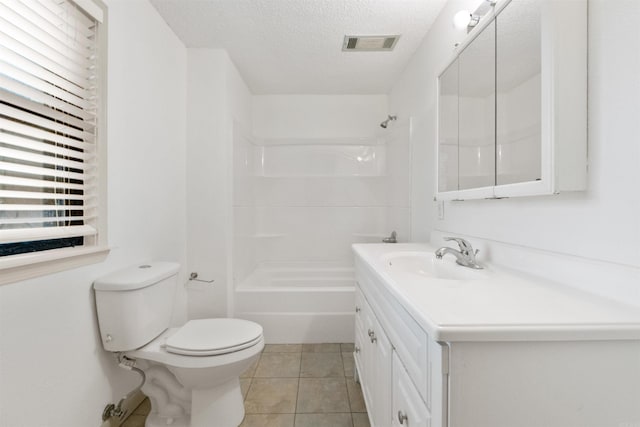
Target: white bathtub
299,302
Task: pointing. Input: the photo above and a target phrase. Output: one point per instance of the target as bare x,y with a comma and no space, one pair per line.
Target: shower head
384,124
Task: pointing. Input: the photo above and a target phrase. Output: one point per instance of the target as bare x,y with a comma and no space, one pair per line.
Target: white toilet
192,372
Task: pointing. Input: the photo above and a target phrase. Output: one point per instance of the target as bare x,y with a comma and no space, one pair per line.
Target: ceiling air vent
369,43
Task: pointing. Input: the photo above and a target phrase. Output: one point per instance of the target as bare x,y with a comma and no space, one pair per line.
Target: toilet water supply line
112,410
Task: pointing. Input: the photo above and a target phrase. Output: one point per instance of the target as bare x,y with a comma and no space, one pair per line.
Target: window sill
27,266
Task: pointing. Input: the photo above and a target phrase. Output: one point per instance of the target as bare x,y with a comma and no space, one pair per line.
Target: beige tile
249,372
268,420
321,348
278,365
344,347
316,395
245,383
347,360
356,401
282,348
360,419
320,365
144,408
272,396
134,421
323,420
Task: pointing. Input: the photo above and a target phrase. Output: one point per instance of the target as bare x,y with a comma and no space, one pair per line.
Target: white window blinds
48,123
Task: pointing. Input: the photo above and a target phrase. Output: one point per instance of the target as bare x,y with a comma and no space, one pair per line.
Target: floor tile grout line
244,398
344,374
295,409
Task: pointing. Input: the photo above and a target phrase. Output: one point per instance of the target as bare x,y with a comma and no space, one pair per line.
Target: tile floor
297,385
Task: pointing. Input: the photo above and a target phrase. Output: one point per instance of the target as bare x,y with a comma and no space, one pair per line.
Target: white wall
318,116
414,94
312,197
244,202
217,98
53,371
601,224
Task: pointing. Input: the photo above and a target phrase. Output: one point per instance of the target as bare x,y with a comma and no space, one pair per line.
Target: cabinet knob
358,309
402,417
357,349
370,333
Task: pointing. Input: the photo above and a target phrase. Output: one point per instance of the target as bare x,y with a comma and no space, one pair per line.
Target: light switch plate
440,205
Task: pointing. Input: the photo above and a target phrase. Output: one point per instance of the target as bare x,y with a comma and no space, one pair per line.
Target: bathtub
299,302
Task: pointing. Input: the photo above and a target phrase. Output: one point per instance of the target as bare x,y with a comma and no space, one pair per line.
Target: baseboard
129,407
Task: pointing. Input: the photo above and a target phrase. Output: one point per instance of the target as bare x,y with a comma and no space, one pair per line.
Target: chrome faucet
391,239
465,257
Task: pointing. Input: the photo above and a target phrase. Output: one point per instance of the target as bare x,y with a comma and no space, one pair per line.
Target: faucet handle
391,239
464,245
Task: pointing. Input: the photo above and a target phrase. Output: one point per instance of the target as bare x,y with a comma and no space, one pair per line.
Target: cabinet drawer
408,409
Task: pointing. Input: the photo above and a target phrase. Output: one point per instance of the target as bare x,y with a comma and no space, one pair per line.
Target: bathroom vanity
442,345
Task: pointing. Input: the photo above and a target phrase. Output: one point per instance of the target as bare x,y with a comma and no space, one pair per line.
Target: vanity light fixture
465,19
468,20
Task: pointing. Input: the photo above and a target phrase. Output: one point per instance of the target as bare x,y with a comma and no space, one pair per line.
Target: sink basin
426,264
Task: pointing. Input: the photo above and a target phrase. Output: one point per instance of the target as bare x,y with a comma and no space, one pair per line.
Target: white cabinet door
359,334
365,351
382,367
408,409
373,359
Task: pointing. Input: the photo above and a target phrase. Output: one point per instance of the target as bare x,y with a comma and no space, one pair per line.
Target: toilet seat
211,337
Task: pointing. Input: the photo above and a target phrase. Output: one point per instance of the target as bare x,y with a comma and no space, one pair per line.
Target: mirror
476,112
518,93
448,129
512,104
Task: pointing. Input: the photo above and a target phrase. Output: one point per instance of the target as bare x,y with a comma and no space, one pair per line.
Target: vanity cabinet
494,351
512,104
394,361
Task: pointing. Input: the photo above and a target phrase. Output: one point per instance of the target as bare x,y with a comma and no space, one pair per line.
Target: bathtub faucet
391,239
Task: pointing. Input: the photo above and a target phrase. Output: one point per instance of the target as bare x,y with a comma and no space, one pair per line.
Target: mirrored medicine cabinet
512,104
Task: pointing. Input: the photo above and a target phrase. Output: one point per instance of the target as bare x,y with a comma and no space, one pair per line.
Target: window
52,109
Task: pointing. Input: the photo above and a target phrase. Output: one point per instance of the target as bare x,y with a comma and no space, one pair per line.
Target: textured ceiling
295,46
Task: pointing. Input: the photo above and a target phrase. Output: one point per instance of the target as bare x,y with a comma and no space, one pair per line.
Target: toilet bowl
192,372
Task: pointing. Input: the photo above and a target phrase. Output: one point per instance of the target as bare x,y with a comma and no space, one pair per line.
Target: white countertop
500,305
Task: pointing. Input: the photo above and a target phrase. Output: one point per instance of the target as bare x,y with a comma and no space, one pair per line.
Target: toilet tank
135,305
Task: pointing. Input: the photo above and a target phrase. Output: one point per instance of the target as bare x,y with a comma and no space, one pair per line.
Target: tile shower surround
296,385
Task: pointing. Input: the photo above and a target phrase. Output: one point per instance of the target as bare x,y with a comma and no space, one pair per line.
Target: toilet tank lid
136,277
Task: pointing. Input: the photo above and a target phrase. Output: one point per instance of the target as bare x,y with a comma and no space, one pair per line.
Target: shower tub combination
299,302
299,204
